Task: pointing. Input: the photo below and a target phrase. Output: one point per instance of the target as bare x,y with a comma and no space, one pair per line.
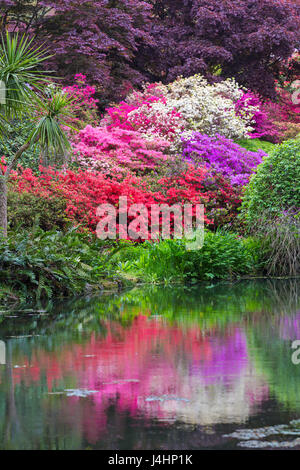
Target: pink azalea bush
84,106
138,113
117,149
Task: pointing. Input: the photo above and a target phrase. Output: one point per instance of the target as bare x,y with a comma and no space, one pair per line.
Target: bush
46,264
16,133
223,155
84,105
27,209
84,191
118,150
271,208
276,185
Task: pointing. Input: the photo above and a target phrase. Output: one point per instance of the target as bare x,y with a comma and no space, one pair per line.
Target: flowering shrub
142,112
84,107
283,119
209,109
198,186
250,107
118,150
84,191
227,158
186,105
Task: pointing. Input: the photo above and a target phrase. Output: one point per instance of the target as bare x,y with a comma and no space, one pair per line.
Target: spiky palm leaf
55,111
20,72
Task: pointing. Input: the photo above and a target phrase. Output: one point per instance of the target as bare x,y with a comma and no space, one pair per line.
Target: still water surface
207,367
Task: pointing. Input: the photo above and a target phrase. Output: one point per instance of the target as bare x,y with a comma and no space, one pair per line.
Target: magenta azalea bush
223,156
250,105
84,105
116,149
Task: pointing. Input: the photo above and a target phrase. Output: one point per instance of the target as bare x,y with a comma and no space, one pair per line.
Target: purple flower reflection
228,358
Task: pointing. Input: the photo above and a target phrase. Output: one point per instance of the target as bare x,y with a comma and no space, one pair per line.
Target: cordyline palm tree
25,86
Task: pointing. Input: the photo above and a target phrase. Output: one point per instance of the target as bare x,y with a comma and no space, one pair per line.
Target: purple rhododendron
222,155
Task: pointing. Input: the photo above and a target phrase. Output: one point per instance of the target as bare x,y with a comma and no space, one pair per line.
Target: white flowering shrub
209,108
187,105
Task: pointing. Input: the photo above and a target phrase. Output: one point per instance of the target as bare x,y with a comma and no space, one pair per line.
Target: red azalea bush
118,150
84,191
198,186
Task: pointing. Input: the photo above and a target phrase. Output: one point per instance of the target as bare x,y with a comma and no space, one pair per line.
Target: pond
203,367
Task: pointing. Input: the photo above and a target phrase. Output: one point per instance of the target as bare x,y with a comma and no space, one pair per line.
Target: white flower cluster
208,108
159,122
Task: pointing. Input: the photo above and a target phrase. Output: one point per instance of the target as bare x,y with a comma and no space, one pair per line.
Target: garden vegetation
216,124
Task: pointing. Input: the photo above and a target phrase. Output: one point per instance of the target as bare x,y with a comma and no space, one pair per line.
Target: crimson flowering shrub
83,191
118,150
283,115
282,122
199,186
224,156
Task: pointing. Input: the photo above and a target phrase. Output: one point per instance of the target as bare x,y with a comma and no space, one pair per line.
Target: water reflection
152,368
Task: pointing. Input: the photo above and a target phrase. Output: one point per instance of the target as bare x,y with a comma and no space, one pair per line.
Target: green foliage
26,210
222,256
15,134
47,264
276,185
20,73
253,145
279,239
271,209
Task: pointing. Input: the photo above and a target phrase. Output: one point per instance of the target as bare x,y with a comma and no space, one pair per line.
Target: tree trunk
3,206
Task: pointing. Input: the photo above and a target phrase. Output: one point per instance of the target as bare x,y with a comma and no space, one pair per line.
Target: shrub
118,150
250,107
16,133
271,208
223,155
198,186
283,119
84,191
27,209
276,184
45,264
84,106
